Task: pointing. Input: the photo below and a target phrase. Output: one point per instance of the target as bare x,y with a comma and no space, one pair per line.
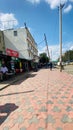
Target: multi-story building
19,44
32,47
2,45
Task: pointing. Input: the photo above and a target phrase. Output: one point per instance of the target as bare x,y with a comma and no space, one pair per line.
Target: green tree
44,58
67,56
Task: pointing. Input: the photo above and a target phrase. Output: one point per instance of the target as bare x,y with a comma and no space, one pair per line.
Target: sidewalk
13,79
44,101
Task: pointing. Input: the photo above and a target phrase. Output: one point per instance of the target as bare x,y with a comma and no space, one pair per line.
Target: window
29,54
15,33
28,44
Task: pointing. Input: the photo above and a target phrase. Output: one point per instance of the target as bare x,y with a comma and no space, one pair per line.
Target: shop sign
12,53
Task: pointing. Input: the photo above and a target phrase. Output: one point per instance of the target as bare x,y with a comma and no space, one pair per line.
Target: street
69,69
42,101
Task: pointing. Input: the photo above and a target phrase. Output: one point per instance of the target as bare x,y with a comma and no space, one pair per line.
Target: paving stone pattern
43,101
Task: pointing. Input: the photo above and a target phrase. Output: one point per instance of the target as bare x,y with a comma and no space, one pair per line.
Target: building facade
18,49
2,45
32,47
20,43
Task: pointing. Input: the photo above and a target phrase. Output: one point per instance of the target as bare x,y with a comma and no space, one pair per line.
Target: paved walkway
4,84
43,101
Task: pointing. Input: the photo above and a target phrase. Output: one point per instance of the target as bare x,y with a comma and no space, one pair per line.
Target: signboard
13,53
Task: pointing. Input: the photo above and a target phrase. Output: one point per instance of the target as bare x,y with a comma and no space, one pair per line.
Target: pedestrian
3,71
50,65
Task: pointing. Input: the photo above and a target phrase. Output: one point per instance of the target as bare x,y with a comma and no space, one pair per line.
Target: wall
23,42
16,43
2,46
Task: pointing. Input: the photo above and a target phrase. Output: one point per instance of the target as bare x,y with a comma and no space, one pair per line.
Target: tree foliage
68,56
44,58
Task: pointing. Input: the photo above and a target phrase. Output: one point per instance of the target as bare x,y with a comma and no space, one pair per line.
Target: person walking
50,65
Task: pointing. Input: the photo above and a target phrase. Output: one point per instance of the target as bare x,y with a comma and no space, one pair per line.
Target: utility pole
46,46
51,55
60,33
25,25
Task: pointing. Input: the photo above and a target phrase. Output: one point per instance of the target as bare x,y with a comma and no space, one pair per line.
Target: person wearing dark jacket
50,65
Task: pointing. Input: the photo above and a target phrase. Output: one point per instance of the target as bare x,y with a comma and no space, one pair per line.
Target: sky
40,16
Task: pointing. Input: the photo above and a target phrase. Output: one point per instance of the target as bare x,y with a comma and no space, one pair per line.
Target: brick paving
43,101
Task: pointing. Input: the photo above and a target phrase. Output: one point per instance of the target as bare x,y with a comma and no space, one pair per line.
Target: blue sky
41,16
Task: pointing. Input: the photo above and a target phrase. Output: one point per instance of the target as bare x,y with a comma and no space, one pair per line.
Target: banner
12,53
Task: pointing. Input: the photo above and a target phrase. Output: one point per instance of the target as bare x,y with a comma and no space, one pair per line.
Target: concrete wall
2,45
16,43
22,43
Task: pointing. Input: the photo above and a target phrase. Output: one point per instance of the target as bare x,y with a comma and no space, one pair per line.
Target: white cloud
54,50
7,21
53,3
68,9
34,1
71,48
71,0
41,49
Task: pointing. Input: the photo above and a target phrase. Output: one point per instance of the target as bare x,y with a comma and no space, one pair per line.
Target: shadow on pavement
9,94
31,75
16,80
20,77
5,111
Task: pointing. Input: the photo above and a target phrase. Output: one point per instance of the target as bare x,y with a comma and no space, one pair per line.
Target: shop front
17,64
14,63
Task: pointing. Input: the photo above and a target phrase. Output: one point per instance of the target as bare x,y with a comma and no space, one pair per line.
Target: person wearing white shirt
3,71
